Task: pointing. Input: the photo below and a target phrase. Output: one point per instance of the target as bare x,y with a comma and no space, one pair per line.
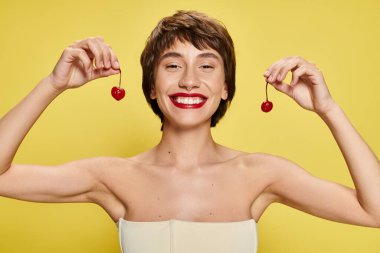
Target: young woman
188,193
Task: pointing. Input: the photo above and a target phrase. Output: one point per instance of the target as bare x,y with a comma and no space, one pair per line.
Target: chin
187,123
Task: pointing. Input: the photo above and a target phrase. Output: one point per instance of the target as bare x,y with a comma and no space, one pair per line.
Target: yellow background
341,37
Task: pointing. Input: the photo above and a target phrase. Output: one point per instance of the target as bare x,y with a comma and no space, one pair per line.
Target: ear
225,92
153,93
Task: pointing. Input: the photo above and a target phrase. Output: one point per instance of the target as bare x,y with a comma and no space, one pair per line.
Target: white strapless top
177,236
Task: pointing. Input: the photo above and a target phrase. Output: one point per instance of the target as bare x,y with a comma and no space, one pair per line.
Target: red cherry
117,93
266,106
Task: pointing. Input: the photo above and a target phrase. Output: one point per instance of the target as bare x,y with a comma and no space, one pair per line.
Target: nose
189,80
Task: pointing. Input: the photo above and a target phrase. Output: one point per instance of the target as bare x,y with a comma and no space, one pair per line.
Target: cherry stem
119,78
266,90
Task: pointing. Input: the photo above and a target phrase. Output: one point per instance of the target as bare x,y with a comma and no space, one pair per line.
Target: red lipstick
188,100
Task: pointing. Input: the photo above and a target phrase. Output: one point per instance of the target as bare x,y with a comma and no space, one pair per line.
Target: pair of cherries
118,93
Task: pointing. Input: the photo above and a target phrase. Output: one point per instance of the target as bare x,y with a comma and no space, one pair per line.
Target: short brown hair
202,32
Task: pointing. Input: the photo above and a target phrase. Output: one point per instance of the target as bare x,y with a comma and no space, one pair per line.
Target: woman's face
189,84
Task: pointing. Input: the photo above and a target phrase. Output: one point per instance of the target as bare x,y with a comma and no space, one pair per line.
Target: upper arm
70,182
297,188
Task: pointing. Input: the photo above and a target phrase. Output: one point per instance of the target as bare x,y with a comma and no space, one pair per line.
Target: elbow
2,170
377,224
4,167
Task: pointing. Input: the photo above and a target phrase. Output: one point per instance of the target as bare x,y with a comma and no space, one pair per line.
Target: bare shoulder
271,169
273,166
270,163
282,171
261,161
94,162
105,163
98,167
110,170
261,168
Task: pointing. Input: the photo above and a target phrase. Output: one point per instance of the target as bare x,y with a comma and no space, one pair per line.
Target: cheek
160,91
164,80
158,85
220,86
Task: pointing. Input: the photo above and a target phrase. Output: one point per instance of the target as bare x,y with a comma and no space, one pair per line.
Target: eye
207,67
172,66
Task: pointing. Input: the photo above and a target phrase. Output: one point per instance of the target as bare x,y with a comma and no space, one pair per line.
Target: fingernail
117,64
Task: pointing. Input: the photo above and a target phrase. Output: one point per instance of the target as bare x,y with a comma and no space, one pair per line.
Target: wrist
50,85
330,112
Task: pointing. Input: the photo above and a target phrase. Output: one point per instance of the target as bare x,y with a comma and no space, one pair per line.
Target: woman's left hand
307,88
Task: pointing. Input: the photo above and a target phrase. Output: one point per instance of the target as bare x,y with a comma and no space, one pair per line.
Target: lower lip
187,106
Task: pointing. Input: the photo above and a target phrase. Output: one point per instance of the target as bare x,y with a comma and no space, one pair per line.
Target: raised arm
34,182
299,189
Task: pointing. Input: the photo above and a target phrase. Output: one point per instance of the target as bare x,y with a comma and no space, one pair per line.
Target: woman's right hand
82,62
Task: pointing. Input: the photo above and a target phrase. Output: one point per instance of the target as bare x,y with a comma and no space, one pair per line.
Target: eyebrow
170,54
178,55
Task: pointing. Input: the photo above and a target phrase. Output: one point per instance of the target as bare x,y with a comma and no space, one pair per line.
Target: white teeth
189,100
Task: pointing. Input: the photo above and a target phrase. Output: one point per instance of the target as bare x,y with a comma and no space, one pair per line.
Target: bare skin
188,176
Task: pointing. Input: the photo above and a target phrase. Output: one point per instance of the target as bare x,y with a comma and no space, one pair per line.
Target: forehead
187,49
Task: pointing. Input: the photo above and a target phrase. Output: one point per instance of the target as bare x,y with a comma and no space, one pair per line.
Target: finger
106,54
279,70
299,72
289,64
284,88
92,49
281,73
276,71
96,49
285,69
98,73
77,54
109,57
272,71
83,57
114,61
266,73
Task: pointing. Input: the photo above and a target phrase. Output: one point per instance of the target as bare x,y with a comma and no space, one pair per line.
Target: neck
186,148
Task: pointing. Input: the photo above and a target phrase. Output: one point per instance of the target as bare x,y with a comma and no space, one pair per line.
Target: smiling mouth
188,101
